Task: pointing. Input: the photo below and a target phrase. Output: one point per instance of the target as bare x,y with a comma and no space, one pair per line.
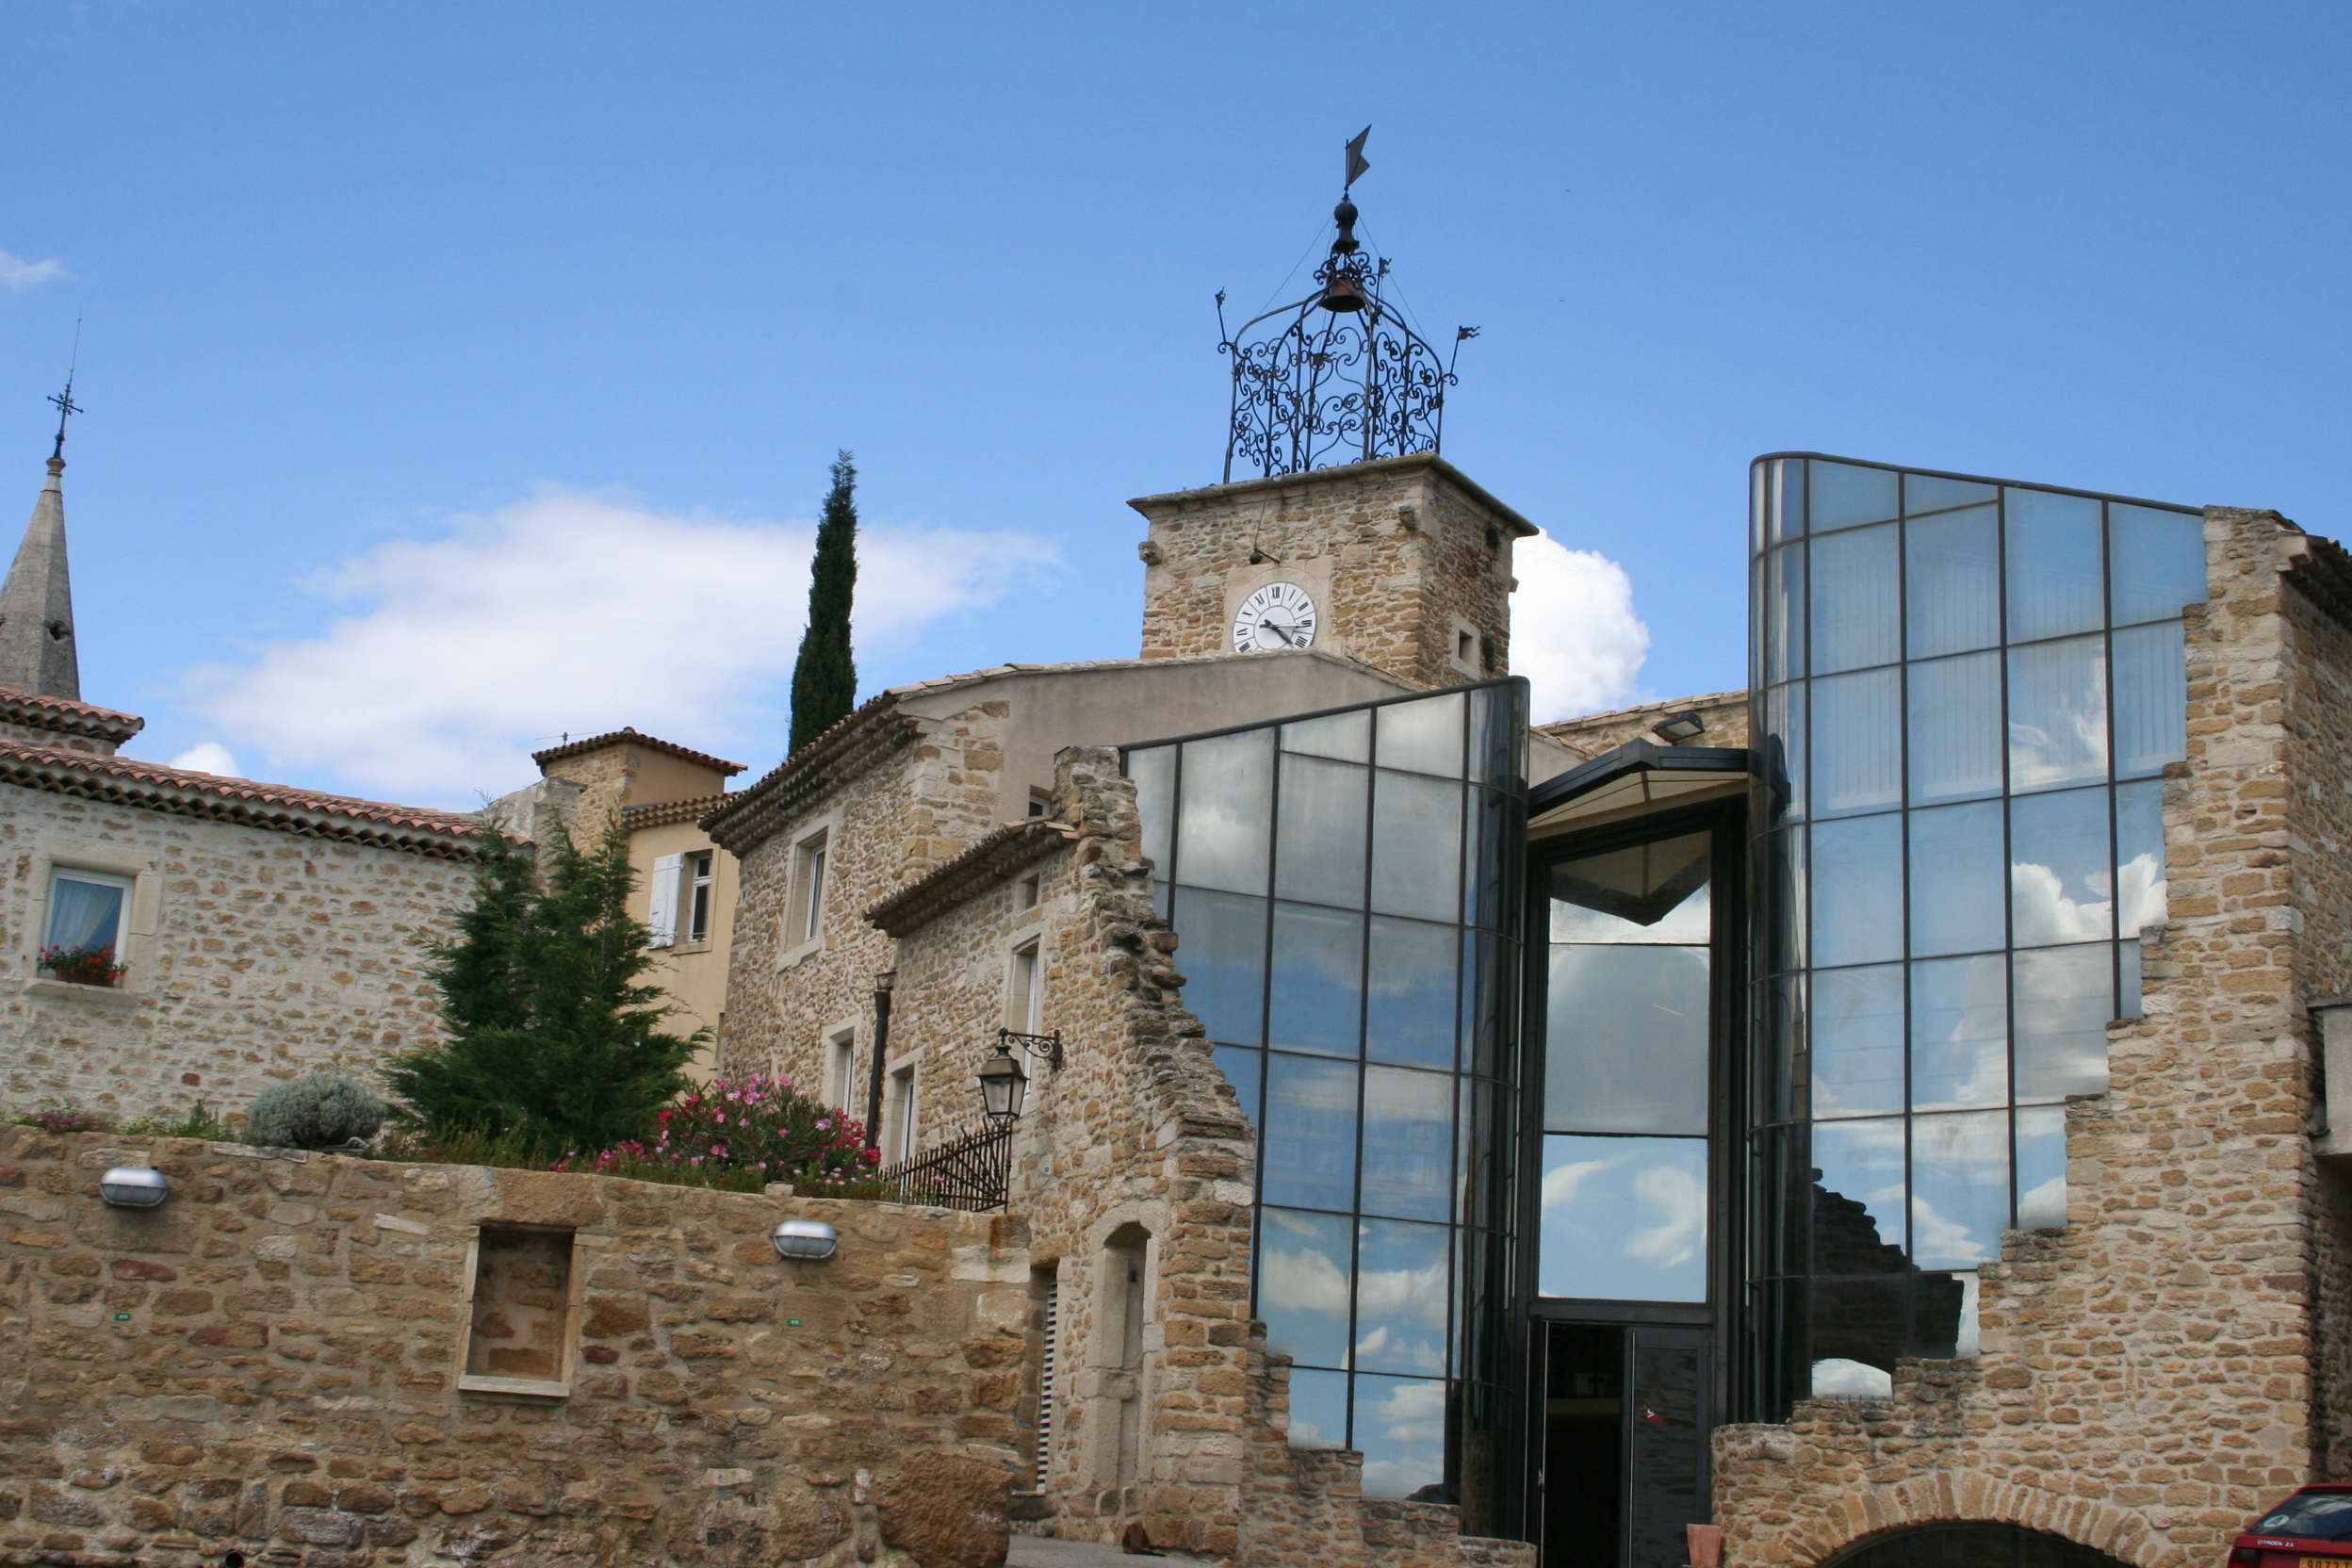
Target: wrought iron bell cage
1337,377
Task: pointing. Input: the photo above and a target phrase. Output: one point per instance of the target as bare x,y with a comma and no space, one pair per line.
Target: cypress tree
824,677
554,1046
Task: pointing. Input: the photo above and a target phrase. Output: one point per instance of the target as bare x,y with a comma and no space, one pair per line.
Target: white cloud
1572,631
208,756
1680,1196
17,274
574,611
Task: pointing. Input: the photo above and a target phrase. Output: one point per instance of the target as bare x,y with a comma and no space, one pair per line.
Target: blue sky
460,376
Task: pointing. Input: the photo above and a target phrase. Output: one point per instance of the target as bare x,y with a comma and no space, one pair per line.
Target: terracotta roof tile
1009,847
662,813
66,717
626,736
281,807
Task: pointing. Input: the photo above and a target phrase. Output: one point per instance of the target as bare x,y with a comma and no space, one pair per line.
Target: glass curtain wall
1345,888
1965,692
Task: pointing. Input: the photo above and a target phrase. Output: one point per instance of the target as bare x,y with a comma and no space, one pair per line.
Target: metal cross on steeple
63,402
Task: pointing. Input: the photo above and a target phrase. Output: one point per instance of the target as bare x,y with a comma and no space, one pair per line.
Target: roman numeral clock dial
1279,615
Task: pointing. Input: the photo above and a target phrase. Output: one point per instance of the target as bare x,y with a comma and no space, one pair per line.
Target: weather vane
1350,385
64,402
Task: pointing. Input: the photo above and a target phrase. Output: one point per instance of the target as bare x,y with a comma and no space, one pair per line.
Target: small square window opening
1025,892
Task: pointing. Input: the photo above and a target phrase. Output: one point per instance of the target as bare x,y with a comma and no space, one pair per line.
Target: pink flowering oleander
754,1126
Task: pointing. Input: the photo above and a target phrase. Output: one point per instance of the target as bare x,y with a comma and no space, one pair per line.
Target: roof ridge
626,735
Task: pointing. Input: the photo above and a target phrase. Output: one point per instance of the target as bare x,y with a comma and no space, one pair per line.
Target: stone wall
2147,1378
1412,551
254,956
1725,714
266,1363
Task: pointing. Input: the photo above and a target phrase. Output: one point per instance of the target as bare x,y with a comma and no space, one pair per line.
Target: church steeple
37,603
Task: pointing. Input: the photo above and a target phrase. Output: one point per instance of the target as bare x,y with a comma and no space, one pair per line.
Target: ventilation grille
1045,1381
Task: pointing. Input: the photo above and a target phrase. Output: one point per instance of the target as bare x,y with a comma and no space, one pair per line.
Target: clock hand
1276,628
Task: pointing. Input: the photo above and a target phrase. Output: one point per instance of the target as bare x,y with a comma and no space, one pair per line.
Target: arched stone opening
1963,1543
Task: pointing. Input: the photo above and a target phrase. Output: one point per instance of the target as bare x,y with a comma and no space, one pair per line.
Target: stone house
259,930
685,883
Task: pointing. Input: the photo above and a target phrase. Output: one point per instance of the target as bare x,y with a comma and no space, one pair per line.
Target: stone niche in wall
517,1338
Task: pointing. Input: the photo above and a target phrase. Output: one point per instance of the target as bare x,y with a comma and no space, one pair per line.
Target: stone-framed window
522,1286
1025,989
841,1066
87,894
810,872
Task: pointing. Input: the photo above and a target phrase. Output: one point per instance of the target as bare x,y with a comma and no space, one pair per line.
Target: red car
2314,1527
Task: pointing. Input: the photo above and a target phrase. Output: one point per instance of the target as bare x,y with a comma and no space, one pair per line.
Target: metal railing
973,1173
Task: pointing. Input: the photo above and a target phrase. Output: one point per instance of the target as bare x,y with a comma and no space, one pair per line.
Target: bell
1342,293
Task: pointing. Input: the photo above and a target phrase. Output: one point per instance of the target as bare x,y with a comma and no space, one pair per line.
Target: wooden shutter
663,912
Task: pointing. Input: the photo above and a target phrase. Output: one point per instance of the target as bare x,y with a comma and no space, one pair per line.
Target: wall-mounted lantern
134,1188
1003,1088
805,1240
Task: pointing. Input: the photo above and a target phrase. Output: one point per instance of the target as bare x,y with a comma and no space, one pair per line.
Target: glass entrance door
1624,1444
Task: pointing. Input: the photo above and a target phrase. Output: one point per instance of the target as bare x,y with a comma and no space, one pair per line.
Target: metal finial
63,402
1337,377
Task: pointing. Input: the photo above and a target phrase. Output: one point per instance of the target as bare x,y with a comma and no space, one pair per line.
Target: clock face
1279,615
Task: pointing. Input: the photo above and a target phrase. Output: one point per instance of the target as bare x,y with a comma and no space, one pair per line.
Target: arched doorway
1963,1546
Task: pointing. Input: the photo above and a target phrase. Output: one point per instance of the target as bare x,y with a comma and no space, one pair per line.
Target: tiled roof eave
64,717
631,737
121,782
1003,852
662,814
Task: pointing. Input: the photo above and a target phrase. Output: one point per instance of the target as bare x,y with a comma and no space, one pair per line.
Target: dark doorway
1974,1547
1623,1405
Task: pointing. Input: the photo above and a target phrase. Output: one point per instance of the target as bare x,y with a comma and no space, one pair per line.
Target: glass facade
1346,889
1964,694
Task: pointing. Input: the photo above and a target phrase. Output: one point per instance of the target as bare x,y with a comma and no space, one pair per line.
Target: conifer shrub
313,1112
554,1044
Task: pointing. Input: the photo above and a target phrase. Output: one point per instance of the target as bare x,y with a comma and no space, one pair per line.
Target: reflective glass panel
2061,885
1856,610
1858,1197
2053,557
1245,1069
1494,724
1304,1262
1955,729
1781,1058
2065,995
1410,999
2157,562
1319,835
2140,899
1959,1189
1484,857
2128,978
1308,1152
2041,1168
1927,493
1857,891
1784,749
1423,736
2057,714
1407,1143
1952,567
1626,1039
1344,737
1224,962
1154,772
1624,1219
1318,977
1400,1429
1785,880
2151,698
1784,614
1647,893
1416,844
1858,1041
1787,498
1858,1332
1959,1033
1400,1298
1958,887
1318,1408
1228,789
1857,743
1844,495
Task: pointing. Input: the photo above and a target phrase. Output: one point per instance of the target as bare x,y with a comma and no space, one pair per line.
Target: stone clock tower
1348,531
1405,560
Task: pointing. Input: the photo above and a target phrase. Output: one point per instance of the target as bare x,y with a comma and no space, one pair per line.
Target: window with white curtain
86,911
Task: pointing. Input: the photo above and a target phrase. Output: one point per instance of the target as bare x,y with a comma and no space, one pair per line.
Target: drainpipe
882,984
